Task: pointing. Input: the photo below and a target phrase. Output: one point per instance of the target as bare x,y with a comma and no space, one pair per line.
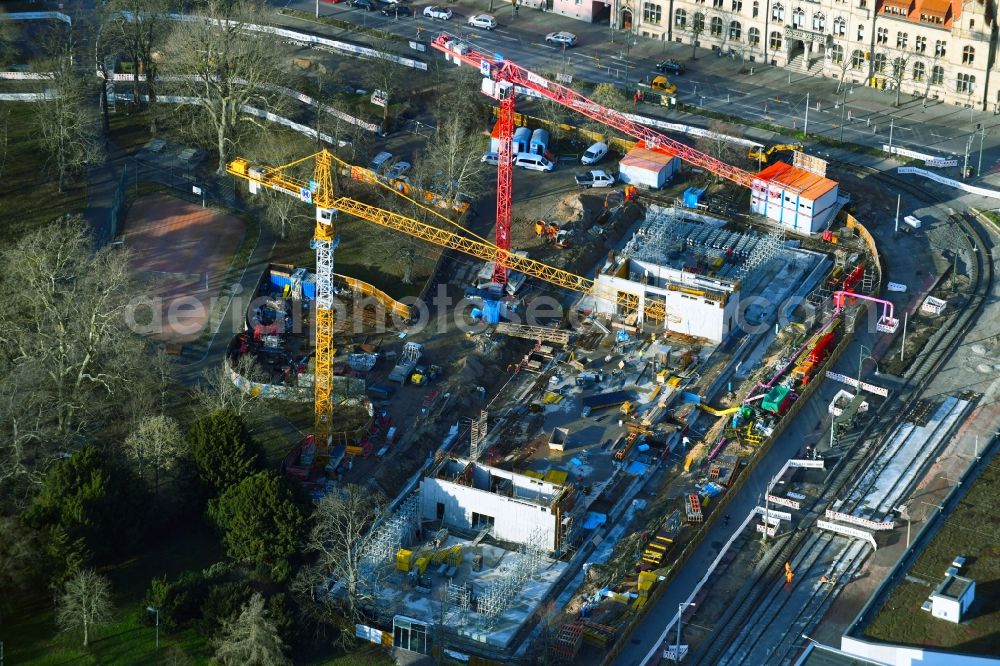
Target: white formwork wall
701,317
515,520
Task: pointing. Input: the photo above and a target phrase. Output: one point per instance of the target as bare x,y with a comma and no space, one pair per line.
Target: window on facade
919,71
898,68
756,8
972,24
901,38
651,13
798,18
879,62
775,40
737,5
939,48
680,18
968,55
857,59
716,26
882,36
819,22
777,13
920,44
753,36
717,4
861,33
699,22
837,53
839,26
937,75
735,30
965,83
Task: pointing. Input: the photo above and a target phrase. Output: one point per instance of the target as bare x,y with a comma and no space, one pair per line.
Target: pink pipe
718,447
838,302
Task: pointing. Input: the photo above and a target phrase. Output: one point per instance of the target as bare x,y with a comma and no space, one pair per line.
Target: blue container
691,197
491,312
539,141
522,139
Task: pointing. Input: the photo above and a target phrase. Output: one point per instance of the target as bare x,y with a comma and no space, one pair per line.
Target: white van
533,162
594,154
912,221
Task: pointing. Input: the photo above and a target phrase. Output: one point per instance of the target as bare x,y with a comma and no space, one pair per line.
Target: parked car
594,154
399,169
484,21
533,162
379,161
491,158
670,67
662,84
440,13
396,10
367,5
562,38
595,178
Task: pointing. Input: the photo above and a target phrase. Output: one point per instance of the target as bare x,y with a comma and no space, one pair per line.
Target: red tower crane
500,76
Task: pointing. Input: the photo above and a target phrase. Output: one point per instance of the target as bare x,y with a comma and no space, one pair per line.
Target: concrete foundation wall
515,520
698,316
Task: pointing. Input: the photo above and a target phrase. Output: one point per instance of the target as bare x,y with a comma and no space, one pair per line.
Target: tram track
758,603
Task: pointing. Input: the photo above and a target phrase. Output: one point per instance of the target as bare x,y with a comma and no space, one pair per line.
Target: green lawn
31,636
972,530
29,199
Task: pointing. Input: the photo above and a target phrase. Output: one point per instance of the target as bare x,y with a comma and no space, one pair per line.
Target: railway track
738,637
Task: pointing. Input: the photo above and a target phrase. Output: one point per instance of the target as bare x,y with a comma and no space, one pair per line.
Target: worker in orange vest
539,228
553,231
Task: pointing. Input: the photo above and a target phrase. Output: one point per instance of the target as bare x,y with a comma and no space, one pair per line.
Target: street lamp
861,362
680,615
904,513
153,609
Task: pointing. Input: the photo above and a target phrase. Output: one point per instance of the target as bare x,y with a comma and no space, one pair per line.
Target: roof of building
953,587
948,11
644,158
822,655
810,185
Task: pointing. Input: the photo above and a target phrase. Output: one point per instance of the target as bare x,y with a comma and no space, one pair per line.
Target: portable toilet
777,400
522,140
539,141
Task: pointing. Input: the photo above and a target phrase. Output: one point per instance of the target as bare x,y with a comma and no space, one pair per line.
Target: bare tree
218,392
386,76
155,446
696,28
67,125
843,65
85,603
280,210
67,357
339,541
10,35
4,138
453,160
898,72
717,143
141,27
251,638
227,68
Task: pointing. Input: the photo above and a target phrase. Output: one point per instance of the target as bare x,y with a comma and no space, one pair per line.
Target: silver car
439,13
561,38
484,21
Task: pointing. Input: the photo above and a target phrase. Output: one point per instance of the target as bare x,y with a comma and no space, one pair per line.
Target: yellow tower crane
319,192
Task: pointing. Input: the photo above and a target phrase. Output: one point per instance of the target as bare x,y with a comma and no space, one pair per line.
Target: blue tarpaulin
636,468
491,312
594,520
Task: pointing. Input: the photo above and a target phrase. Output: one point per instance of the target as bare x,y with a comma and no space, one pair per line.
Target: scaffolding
389,537
763,251
477,436
511,577
459,601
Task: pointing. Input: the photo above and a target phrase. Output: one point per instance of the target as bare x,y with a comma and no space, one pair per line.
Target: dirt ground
182,251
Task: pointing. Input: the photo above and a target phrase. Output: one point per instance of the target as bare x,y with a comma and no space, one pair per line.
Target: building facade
939,49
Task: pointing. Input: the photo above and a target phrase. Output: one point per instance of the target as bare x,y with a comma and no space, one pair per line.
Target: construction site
549,476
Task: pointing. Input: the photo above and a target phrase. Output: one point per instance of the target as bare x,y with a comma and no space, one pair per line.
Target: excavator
762,155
